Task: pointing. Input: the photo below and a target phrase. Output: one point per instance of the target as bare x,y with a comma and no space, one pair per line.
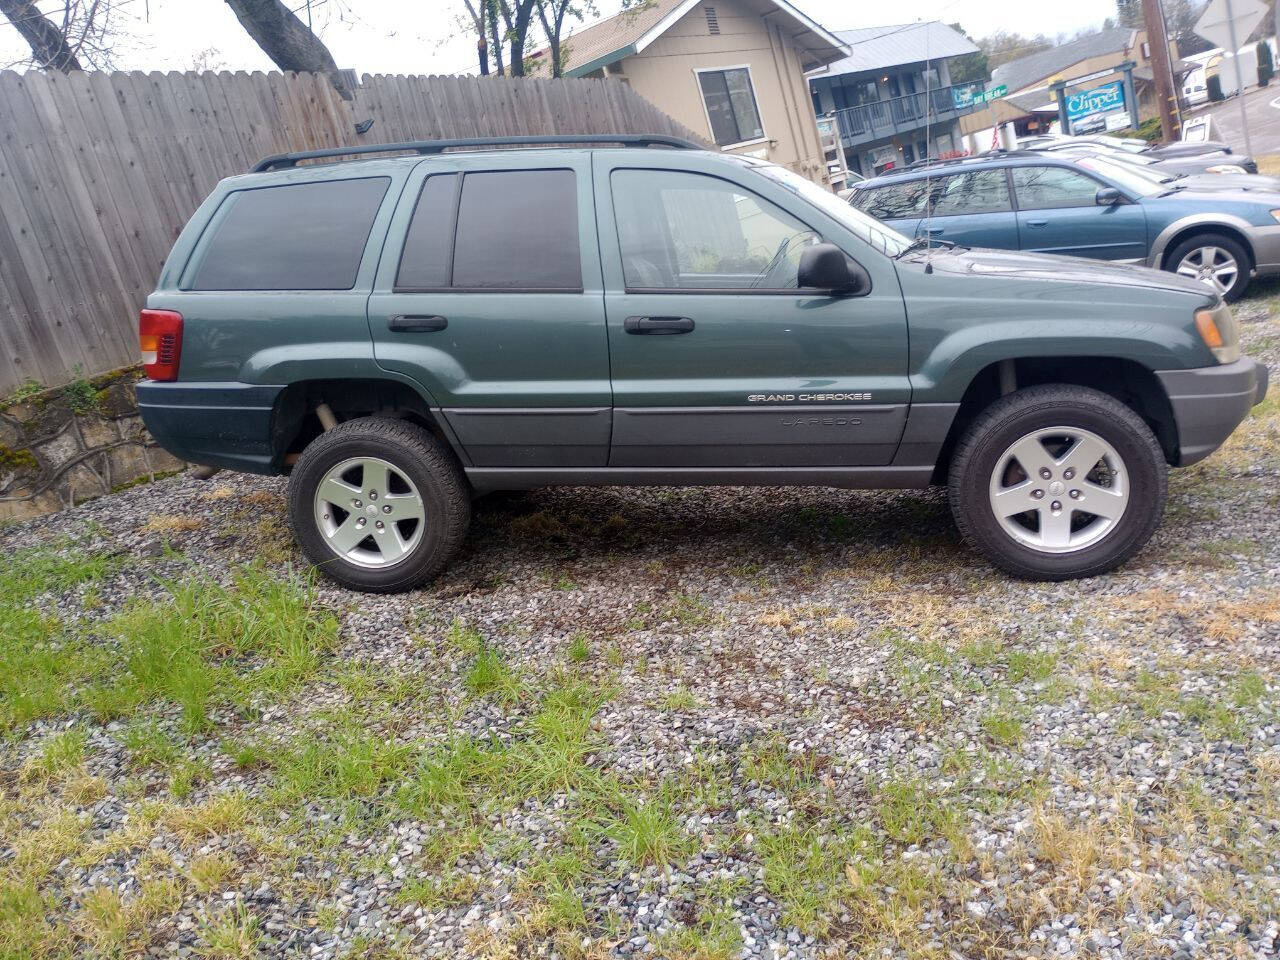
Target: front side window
494,230
731,105
1049,188
298,236
977,191
897,200
690,231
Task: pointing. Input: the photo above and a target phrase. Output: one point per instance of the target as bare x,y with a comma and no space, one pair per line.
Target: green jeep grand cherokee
399,333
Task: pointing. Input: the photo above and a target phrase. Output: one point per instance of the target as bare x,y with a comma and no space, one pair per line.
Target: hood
1215,182
1046,266
1206,190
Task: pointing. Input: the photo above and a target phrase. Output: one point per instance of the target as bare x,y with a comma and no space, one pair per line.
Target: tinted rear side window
518,229
299,236
978,191
897,200
427,259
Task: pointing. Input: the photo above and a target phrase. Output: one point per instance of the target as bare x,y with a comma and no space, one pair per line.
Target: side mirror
1108,197
824,266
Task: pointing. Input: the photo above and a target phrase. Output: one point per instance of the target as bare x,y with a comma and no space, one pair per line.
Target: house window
731,106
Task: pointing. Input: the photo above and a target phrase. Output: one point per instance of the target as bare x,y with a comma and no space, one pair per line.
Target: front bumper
214,424
1266,249
1209,403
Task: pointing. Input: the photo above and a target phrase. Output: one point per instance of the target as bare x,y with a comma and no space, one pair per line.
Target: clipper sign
1086,110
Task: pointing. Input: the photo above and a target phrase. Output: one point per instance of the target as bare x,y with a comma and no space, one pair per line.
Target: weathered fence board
99,172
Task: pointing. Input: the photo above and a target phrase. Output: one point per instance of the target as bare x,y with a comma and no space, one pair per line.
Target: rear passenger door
973,209
489,294
1058,212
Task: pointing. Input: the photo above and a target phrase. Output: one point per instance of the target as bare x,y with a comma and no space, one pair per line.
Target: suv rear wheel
378,505
1056,482
1216,260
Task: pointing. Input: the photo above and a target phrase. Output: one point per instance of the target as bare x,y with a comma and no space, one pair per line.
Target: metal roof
1038,67
874,48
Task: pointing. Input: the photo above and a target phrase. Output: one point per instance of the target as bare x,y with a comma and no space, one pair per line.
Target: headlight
1275,215
1217,328
1226,168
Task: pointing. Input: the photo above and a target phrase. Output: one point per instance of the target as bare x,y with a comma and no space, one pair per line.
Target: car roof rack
284,161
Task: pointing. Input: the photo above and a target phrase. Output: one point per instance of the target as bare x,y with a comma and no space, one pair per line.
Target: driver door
717,358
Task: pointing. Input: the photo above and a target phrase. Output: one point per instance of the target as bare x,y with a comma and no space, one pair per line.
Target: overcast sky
423,36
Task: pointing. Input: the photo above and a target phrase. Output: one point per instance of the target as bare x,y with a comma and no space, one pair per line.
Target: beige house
732,70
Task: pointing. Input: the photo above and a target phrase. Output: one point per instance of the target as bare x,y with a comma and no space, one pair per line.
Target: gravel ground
691,723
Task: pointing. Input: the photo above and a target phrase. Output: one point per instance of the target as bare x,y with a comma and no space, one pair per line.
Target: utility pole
1161,69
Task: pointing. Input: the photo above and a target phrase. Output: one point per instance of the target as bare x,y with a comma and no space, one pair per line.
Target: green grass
646,831
805,871
549,756
911,812
770,763
199,646
579,650
1002,726
489,676
41,665
345,763
681,699
63,753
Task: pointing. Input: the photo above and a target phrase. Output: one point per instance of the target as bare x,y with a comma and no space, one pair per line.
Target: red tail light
160,337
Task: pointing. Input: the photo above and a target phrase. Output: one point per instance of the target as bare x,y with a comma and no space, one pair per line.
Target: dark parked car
401,334
1085,207
1217,162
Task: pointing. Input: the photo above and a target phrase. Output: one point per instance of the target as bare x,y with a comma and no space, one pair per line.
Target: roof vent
713,25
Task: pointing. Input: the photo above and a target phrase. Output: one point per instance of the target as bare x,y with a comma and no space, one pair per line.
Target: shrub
1266,65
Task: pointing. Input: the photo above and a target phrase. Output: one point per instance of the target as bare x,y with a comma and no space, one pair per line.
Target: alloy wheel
1059,489
1211,265
369,512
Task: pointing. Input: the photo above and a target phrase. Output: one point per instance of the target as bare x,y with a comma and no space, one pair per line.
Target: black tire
1020,414
1233,247
445,495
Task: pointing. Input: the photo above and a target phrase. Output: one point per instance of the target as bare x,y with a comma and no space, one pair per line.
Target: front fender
951,365
1164,238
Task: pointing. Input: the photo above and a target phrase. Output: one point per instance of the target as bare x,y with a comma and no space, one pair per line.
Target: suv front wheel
378,505
1056,482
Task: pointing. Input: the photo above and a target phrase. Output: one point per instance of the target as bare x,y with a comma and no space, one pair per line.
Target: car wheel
1057,482
1216,260
378,505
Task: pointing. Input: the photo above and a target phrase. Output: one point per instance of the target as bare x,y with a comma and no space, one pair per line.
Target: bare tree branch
287,41
48,42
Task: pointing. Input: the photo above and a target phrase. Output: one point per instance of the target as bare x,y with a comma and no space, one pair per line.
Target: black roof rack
425,147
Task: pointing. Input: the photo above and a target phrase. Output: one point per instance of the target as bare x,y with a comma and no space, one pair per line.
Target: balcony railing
887,117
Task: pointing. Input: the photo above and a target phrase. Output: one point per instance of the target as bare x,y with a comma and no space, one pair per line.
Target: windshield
1129,178
885,239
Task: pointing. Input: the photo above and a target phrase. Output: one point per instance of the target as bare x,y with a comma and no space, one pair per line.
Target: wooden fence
100,171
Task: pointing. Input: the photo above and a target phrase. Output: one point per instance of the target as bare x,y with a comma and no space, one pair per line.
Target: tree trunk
49,47
517,22
287,41
495,37
482,44
552,27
